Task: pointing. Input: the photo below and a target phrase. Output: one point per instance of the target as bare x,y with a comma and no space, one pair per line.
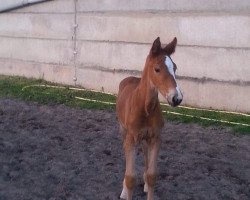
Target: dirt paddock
57,152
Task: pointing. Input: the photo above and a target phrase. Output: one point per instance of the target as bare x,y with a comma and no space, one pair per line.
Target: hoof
124,194
145,187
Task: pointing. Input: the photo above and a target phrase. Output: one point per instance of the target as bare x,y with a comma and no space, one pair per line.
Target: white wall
113,39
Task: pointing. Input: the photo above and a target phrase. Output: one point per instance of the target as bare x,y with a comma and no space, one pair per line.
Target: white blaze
170,66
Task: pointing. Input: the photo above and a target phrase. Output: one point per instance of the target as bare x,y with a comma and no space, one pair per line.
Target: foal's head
161,71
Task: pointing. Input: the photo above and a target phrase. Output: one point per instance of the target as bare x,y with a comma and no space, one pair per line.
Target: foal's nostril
176,101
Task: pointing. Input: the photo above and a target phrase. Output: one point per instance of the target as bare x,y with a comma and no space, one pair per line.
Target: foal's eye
157,70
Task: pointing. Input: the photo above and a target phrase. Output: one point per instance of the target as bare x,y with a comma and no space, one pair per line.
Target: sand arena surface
57,152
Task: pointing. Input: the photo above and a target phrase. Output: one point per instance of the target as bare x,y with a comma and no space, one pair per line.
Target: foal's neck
147,92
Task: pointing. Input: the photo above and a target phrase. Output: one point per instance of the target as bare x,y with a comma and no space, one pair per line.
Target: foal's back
128,83
127,88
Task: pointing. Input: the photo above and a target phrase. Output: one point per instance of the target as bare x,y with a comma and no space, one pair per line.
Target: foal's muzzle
176,101
175,97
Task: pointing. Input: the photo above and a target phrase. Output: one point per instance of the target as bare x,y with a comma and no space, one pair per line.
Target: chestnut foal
139,113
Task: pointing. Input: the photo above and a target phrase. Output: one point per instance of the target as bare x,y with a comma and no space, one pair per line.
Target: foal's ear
170,48
156,47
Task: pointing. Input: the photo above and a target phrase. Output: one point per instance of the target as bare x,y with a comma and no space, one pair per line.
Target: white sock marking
124,194
145,187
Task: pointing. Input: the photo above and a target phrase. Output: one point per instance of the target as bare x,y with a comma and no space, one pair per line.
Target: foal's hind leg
145,154
129,179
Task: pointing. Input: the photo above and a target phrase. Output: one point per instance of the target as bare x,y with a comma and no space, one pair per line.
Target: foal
139,113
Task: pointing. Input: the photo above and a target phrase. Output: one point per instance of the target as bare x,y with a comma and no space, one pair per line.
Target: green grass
198,114
27,89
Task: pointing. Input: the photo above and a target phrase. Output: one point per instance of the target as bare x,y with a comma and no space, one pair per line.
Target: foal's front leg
129,179
153,150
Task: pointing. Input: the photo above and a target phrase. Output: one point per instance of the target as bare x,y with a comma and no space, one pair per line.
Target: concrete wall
113,38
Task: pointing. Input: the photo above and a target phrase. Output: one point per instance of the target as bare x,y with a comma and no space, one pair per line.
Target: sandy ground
56,152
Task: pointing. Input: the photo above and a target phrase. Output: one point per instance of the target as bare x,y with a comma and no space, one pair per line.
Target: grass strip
48,93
